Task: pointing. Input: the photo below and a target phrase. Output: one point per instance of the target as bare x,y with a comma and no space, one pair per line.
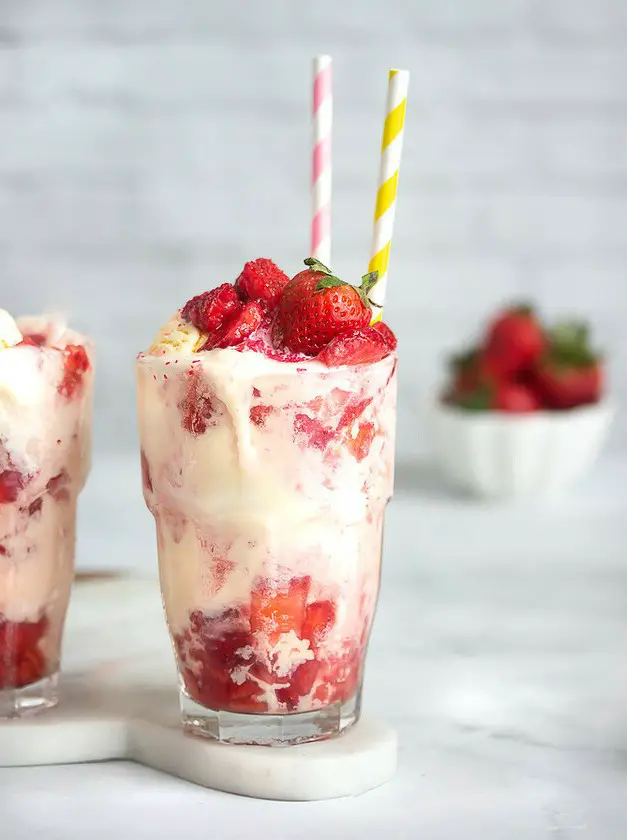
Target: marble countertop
499,654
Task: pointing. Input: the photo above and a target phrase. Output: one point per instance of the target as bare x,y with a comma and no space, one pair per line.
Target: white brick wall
149,147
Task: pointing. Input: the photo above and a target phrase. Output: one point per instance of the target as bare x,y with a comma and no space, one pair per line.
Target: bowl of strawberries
524,411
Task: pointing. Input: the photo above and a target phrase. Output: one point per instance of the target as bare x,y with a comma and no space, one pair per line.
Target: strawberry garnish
360,347
76,364
316,307
570,373
209,311
261,279
514,342
388,335
237,328
275,611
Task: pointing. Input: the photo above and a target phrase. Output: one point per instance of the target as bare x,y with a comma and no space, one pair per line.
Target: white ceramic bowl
502,456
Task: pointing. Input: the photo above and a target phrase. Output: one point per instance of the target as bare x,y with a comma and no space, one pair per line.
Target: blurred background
150,147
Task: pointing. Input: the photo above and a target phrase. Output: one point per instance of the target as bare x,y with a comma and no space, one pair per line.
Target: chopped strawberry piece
360,347
304,677
238,328
259,414
28,634
316,434
35,339
76,364
353,411
261,280
388,335
288,695
21,661
263,673
360,444
319,619
276,611
31,668
209,311
11,483
245,697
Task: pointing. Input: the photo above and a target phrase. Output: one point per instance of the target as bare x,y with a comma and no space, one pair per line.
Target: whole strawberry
514,342
261,279
570,373
316,307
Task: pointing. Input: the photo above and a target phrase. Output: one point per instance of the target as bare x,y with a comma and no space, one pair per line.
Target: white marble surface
498,654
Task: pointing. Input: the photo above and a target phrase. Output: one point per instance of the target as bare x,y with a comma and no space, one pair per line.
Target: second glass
45,432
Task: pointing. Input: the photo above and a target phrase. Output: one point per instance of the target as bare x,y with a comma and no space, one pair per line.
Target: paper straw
391,148
321,166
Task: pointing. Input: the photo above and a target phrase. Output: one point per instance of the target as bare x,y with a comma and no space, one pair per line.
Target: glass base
269,730
17,702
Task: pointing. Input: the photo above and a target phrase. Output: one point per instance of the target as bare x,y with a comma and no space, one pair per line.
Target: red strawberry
260,413
388,335
238,328
75,366
304,677
319,619
359,347
316,306
11,482
509,397
35,339
276,611
360,444
570,374
514,341
209,311
261,280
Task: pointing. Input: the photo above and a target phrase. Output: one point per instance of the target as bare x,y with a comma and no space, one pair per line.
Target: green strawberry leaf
329,282
478,400
569,345
316,265
460,362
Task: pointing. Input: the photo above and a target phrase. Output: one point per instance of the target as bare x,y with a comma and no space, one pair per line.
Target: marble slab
128,709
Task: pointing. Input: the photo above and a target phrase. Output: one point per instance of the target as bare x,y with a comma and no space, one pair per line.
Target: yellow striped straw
391,148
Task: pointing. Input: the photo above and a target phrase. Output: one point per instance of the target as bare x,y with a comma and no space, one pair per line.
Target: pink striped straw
321,166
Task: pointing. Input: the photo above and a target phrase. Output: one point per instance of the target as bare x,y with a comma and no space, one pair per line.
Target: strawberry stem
316,265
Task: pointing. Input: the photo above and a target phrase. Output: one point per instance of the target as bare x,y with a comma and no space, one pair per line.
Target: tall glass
45,422
268,481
